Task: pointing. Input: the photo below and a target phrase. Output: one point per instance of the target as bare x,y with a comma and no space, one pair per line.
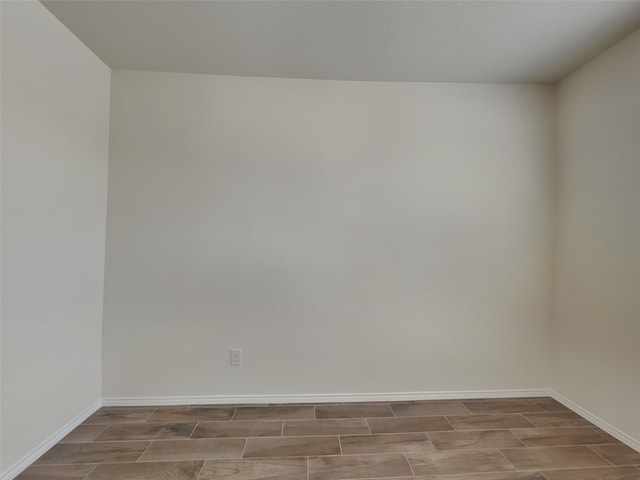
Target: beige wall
597,320
350,236
55,107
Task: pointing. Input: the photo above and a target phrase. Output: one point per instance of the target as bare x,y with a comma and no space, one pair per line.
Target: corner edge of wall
598,422
16,469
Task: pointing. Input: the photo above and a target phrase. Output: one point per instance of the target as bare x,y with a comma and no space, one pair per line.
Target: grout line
94,438
244,448
435,449
90,472
465,407
145,451
499,450
200,470
610,463
194,429
453,428
409,463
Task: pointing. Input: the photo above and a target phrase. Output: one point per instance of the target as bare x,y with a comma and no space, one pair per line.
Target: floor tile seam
193,430
337,419
508,461
486,414
102,442
99,433
409,416
566,445
433,445
487,472
328,435
59,464
233,422
609,461
550,446
155,409
445,476
366,420
111,424
384,433
518,448
431,415
558,427
244,447
440,450
151,424
466,408
90,472
582,468
519,412
492,429
191,420
386,454
357,404
173,460
498,412
449,423
463,450
515,434
145,451
406,459
601,432
274,419
319,455
420,431
197,475
356,418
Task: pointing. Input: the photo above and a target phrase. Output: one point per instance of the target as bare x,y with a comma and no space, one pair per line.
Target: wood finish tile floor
503,439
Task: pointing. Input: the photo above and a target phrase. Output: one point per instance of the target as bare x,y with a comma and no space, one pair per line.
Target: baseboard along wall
28,459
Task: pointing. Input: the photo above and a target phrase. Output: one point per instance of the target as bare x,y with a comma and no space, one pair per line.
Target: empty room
320,240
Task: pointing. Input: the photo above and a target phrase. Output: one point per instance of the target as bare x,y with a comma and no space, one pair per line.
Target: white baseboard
371,397
597,421
31,457
320,397
16,469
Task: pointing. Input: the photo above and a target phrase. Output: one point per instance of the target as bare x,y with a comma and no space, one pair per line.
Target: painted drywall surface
597,318
55,108
350,237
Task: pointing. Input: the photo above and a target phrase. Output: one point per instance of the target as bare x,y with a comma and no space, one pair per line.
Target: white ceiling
537,41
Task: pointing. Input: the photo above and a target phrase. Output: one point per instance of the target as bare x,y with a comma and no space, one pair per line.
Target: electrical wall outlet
236,356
